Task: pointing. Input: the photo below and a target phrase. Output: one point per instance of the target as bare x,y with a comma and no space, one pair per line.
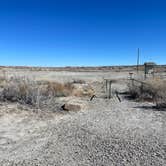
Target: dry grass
58,89
22,90
158,90
37,94
151,90
83,91
2,81
26,91
3,78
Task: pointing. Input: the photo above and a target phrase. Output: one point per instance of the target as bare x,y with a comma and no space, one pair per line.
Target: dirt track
106,133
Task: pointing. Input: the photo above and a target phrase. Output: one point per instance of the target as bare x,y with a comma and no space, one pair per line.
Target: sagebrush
37,93
154,90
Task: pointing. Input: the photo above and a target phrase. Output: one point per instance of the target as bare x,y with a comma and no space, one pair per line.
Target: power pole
138,55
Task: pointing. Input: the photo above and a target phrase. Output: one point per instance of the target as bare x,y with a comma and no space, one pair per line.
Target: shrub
22,90
38,93
3,78
157,89
83,90
58,89
154,90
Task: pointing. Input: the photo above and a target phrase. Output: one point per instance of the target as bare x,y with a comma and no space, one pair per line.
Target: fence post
106,87
110,89
141,88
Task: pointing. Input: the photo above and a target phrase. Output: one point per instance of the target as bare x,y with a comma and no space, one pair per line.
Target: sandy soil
106,132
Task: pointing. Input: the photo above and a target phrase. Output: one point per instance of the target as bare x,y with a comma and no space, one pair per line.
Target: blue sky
82,32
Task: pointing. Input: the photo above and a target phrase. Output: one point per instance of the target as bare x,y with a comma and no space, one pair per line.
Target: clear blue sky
81,32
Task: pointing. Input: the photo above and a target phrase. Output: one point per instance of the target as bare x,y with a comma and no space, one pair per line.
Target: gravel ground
106,133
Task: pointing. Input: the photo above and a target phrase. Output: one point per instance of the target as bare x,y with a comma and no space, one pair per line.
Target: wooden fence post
110,89
106,90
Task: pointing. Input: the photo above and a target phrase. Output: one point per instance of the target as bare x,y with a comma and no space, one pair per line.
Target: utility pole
138,55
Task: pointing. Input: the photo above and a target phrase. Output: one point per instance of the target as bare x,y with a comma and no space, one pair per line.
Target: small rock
71,107
74,104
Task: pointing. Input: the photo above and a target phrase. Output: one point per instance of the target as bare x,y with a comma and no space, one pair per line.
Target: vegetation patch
150,90
38,93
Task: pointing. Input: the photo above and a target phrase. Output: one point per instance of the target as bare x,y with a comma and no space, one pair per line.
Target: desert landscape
64,117
82,83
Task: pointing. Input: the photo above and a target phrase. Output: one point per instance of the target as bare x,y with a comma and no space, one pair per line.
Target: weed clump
38,93
151,90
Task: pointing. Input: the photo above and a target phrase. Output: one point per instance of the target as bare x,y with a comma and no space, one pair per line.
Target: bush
58,89
154,90
3,78
38,93
157,88
22,90
27,91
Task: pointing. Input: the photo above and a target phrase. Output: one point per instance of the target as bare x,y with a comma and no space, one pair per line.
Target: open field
103,132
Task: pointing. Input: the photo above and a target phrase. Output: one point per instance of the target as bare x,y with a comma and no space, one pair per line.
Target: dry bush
68,89
2,81
38,93
22,90
157,89
3,78
134,90
58,89
26,91
154,90
83,90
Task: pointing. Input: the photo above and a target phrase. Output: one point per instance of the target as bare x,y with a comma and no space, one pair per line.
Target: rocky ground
105,133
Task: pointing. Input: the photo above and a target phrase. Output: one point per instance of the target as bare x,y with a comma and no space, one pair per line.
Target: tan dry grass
58,89
157,87
35,93
154,89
